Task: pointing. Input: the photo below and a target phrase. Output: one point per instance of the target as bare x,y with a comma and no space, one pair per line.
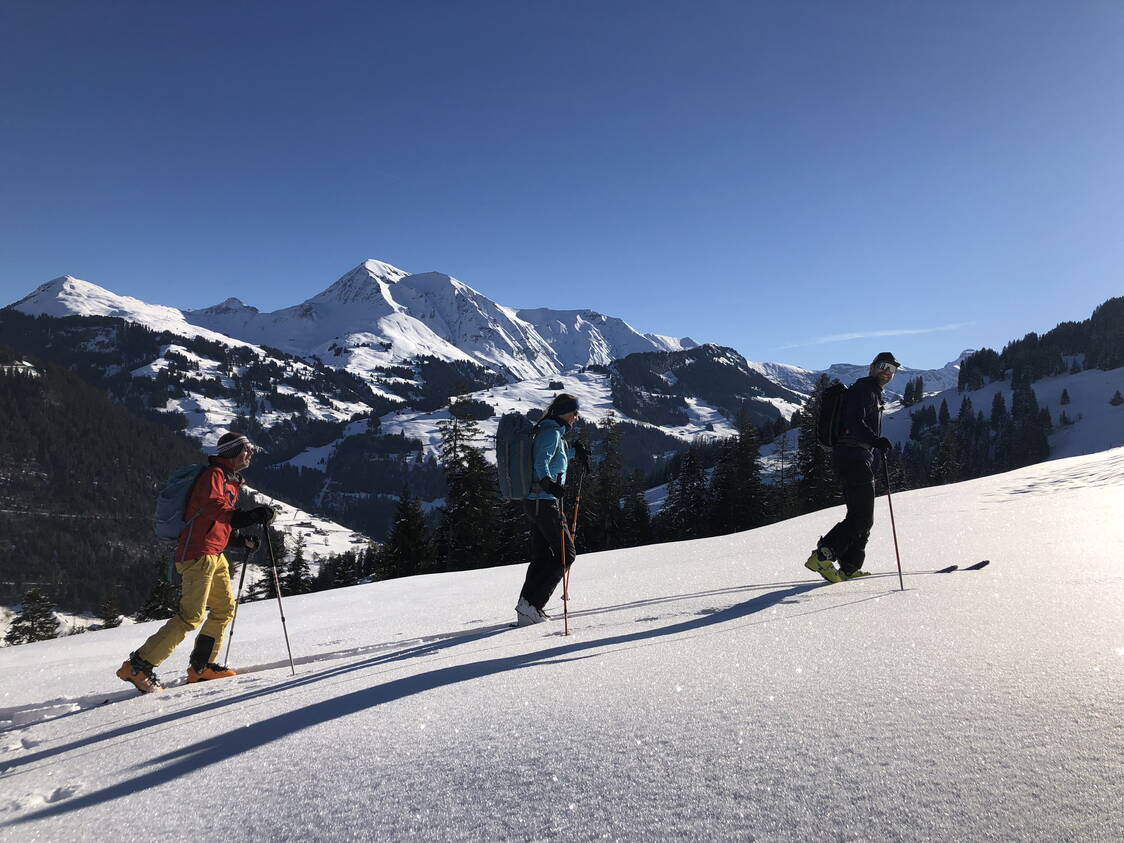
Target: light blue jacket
549,458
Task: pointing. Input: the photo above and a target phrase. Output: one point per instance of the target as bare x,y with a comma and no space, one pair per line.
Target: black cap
886,357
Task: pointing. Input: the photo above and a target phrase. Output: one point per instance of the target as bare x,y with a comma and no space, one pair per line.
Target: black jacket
862,413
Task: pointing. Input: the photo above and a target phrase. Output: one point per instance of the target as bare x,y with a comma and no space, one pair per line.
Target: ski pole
577,509
233,620
277,588
565,570
893,528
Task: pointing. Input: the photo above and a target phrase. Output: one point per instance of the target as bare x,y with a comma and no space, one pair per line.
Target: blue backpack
172,501
515,446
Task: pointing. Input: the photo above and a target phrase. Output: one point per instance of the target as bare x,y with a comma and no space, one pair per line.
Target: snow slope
1097,425
710,690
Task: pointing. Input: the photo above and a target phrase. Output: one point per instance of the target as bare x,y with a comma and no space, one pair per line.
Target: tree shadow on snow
250,737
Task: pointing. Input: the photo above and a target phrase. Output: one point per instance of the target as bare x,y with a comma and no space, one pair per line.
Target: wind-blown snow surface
710,689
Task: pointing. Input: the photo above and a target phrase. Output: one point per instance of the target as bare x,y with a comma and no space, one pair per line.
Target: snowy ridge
678,709
377,315
69,296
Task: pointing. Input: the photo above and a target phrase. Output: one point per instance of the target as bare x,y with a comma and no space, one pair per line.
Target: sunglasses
890,367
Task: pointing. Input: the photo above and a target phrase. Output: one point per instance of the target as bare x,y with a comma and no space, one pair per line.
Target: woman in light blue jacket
549,532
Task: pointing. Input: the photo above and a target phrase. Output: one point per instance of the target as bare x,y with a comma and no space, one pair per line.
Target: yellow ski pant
206,586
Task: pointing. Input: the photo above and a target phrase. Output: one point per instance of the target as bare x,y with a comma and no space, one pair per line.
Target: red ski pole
565,569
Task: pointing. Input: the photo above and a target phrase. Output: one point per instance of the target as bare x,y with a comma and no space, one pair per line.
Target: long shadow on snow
131,728
86,703
248,738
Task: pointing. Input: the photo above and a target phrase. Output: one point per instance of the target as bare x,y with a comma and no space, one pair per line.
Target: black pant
855,469
547,535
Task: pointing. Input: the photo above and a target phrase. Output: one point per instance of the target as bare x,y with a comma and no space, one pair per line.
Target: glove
553,487
262,515
581,454
883,444
242,518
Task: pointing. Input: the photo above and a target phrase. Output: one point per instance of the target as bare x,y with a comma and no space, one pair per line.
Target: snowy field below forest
710,689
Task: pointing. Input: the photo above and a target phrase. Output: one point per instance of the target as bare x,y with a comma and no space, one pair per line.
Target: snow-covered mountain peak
230,306
364,283
70,296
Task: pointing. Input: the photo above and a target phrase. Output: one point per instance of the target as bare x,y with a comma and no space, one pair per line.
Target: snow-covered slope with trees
710,690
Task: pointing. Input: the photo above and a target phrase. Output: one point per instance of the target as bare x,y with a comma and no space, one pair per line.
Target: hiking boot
139,673
822,565
209,671
853,575
526,614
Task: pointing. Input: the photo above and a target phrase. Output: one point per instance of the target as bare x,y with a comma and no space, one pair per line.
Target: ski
979,565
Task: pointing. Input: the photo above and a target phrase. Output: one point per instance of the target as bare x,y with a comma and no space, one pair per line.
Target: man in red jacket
211,524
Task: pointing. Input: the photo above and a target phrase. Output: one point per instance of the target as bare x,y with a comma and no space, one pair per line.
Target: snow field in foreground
709,688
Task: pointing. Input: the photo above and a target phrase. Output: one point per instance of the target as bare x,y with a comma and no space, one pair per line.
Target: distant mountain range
378,317
381,352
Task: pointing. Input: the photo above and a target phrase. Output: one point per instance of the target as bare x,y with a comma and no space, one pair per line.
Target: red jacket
213,497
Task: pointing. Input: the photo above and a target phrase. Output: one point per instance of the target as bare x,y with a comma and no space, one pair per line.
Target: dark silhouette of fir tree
35,620
297,578
636,520
602,514
816,488
1117,399
737,496
108,613
685,514
409,548
468,531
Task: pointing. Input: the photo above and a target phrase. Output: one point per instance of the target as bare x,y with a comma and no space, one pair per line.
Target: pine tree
943,416
344,570
685,514
602,516
636,520
163,598
409,548
736,492
946,467
35,620
1116,399
816,488
1065,397
784,481
998,411
297,578
907,396
108,612
469,523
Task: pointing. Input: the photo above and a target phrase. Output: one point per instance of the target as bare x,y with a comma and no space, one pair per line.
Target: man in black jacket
853,456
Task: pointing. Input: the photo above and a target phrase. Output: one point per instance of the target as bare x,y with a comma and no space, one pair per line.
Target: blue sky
810,182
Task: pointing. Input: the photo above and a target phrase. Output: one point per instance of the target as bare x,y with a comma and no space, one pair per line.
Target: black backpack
831,415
